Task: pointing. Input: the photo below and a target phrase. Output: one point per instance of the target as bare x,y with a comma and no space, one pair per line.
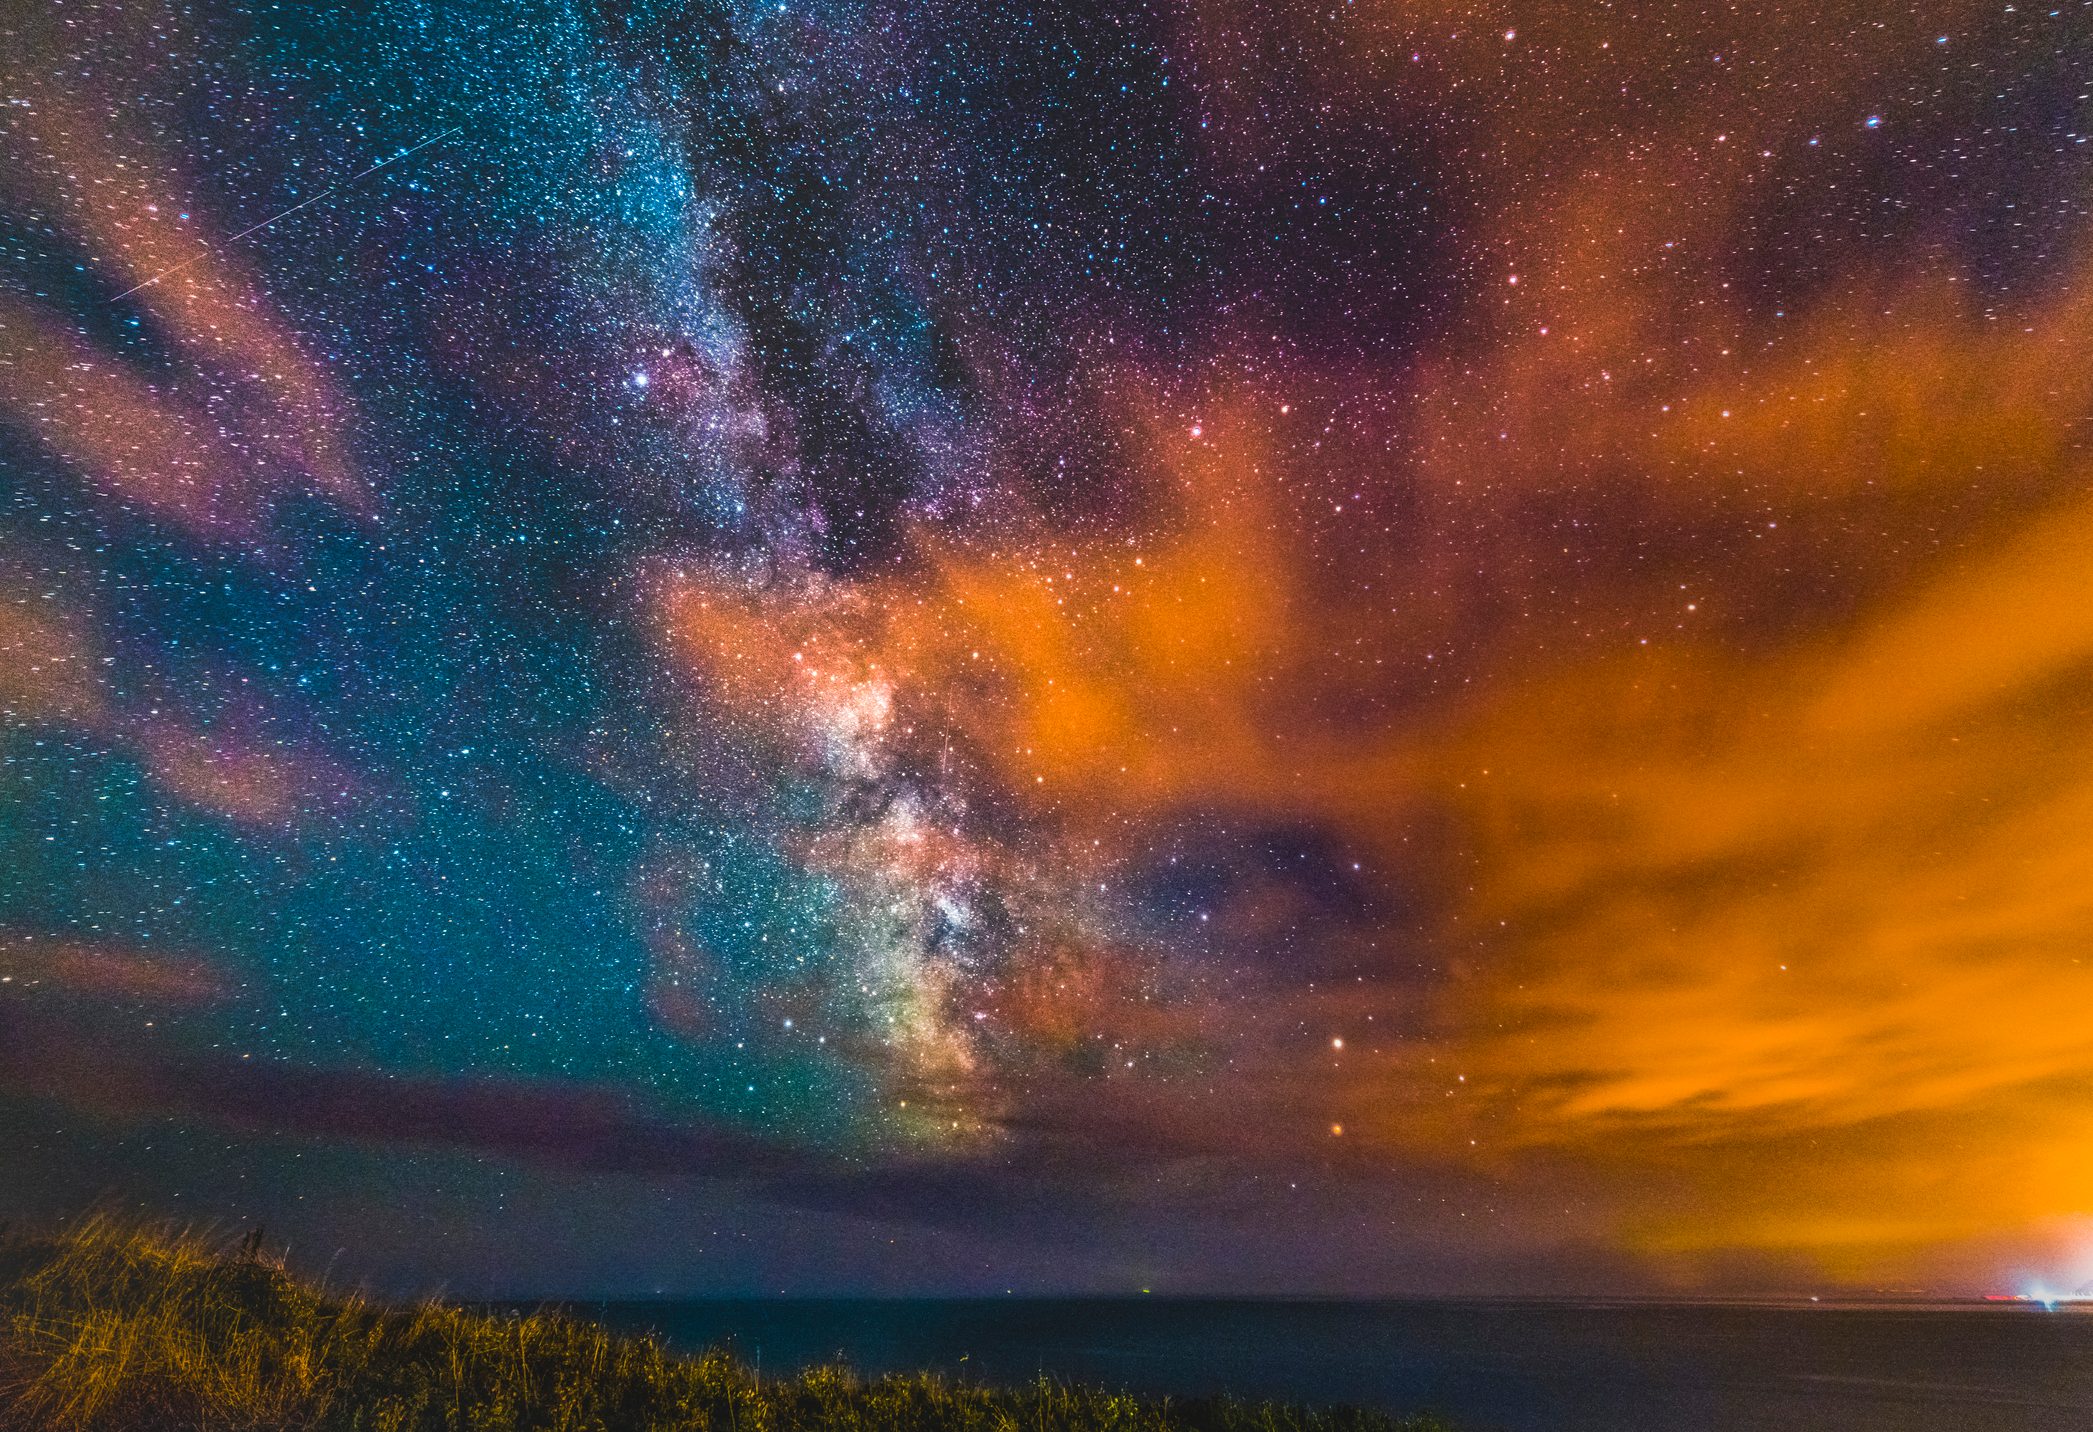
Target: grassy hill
114,1328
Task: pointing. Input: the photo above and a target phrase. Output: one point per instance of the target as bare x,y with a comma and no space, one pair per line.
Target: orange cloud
46,667
244,415
249,782
51,674
32,965
1757,864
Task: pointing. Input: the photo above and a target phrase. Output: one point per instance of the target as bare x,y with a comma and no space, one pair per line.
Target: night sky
829,646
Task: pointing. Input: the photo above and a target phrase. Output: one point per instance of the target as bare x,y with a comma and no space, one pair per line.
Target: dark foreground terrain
113,1327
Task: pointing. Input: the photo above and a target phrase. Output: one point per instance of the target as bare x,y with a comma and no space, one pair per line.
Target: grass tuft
117,1328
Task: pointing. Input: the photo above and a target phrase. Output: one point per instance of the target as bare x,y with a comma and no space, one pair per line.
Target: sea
1487,1366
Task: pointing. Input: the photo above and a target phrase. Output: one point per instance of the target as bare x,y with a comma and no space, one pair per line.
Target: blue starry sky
843,647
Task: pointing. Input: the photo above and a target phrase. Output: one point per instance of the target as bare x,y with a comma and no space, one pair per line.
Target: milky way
813,645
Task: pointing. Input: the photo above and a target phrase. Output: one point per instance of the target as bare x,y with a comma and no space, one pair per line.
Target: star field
1351,646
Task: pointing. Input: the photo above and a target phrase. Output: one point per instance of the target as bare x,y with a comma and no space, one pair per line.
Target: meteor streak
303,204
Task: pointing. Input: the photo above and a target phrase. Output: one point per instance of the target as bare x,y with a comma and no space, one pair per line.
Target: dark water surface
1490,1366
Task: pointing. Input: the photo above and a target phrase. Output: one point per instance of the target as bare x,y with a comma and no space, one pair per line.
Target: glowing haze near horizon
1356,646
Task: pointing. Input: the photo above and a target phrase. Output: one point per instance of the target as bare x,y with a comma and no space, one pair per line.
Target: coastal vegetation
115,1327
